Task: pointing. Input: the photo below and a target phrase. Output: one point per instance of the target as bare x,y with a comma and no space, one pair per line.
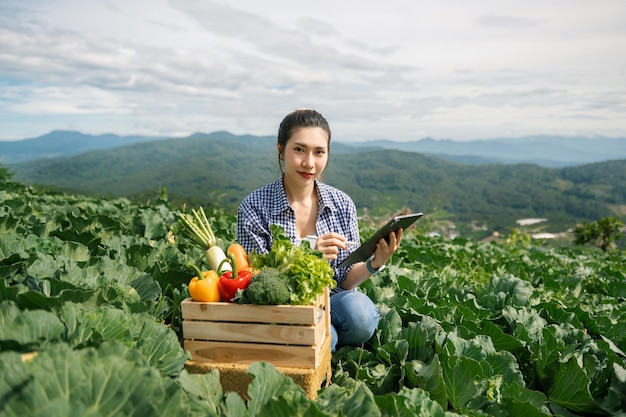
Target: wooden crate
284,335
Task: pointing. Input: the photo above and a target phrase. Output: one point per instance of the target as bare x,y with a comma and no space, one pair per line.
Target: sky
396,69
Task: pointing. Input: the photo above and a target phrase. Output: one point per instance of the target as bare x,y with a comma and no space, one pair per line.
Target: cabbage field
90,323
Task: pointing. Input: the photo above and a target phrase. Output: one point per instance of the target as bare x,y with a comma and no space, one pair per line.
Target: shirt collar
281,202
324,197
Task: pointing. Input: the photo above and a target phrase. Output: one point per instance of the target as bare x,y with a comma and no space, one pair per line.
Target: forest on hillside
211,171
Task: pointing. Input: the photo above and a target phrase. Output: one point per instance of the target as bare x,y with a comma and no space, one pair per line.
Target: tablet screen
367,249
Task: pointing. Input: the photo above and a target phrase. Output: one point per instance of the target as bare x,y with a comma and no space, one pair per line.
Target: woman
304,206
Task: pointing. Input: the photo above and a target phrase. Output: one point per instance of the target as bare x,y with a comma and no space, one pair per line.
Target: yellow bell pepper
204,286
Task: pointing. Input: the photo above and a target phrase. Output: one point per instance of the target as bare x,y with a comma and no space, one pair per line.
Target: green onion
198,228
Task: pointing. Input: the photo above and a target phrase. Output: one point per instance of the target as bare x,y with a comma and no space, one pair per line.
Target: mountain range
547,151
544,150
62,143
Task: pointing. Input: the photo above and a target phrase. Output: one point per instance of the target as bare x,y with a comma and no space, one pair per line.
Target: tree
603,232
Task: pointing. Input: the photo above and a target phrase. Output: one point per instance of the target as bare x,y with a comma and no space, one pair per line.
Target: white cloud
400,70
506,22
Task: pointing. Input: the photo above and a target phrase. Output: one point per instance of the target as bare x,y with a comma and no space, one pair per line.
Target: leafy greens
309,273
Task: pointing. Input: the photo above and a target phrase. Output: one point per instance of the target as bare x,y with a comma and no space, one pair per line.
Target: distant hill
546,151
219,169
62,143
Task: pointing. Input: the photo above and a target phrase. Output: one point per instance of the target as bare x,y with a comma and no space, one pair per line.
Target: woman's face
305,155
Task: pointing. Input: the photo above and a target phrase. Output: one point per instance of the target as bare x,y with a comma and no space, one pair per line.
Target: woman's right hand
330,243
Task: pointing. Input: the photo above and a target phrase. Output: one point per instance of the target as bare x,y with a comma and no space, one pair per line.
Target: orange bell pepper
241,257
204,286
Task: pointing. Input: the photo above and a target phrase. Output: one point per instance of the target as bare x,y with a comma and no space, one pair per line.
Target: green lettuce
308,271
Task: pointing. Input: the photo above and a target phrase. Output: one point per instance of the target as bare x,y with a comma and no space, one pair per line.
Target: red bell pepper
232,281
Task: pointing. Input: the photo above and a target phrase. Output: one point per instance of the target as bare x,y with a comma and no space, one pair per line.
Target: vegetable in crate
240,257
269,287
309,273
217,259
233,280
204,286
196,226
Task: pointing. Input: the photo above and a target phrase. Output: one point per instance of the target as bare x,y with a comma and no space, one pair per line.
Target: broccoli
269,287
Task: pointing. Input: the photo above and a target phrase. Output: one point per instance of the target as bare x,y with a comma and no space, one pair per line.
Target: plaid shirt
268,205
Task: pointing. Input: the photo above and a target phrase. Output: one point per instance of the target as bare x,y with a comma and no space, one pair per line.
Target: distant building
531,221
544,236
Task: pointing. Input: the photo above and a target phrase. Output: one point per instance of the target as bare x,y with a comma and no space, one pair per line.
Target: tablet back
367,249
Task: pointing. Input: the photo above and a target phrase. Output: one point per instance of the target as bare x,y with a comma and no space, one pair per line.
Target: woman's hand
330,243
360,273
384,250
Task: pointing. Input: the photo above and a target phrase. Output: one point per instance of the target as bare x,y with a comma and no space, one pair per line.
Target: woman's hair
297,119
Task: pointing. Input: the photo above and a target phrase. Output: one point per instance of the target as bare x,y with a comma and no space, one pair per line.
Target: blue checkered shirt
268,205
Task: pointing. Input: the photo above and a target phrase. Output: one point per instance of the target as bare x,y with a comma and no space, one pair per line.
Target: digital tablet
367,249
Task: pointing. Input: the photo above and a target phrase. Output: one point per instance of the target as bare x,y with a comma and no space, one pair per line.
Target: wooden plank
307,357
253,332
285,314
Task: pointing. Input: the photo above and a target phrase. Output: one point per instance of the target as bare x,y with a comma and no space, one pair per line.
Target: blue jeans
354,318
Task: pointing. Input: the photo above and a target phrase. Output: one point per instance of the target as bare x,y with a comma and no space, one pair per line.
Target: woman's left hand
385,249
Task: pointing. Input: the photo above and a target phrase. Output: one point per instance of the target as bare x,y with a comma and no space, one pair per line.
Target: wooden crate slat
246,353
219,311
252,332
